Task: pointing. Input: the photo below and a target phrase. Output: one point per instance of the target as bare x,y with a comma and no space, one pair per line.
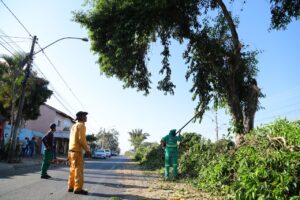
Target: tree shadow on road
19,171
121,196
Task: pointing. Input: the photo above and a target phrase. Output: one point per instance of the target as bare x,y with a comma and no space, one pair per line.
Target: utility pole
217,125
15,126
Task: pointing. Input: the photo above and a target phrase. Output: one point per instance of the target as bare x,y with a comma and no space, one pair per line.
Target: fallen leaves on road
150,186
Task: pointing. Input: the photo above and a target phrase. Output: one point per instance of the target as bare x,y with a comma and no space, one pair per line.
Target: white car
99,153
108,153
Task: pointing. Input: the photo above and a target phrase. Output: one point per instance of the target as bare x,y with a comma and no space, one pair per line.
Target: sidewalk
26,162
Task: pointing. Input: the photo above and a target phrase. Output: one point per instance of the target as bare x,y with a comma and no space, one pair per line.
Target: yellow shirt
77,140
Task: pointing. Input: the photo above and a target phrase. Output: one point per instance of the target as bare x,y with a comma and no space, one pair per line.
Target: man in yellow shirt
77,143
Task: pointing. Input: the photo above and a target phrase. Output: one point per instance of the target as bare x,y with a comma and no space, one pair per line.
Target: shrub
263,168
150,155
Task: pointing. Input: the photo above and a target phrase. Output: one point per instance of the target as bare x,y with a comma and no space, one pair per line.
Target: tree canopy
136,137
108,139
11,76
283,12
221,68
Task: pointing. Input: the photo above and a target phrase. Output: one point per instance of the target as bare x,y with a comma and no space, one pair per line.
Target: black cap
80,114
53,125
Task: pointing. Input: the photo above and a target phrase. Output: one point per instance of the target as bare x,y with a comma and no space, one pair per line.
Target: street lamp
77,38
28,62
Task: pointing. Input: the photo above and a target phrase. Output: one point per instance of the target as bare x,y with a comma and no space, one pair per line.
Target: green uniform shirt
171,141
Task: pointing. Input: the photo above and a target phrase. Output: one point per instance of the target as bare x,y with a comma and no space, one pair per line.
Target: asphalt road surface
101,180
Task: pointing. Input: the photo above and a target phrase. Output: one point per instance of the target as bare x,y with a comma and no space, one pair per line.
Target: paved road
101,180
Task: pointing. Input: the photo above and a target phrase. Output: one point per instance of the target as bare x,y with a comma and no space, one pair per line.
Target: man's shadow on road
121,196
112,185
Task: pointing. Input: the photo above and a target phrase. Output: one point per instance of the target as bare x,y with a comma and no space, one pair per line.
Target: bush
266,166
150,155
263,168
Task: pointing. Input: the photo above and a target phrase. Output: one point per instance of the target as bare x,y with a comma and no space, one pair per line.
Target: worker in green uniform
169,142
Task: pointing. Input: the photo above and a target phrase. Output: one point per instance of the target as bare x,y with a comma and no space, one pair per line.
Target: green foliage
129,154
136,137
196,152
258,169
290,131
221,68
108,139
11,76
150,155
91,140
266,166
283,12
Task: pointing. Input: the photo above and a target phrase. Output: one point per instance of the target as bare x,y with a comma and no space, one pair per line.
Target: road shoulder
154,187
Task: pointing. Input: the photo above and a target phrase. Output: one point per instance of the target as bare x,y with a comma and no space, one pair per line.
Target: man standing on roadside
77,143
48,152
169,142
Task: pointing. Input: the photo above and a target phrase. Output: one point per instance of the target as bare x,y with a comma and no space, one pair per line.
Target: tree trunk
233,97
251,106
236,111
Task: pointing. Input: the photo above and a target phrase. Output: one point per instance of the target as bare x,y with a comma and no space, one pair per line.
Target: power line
17,37
11,42
6,48
278,115
58,94
265,112
66,84
51,86
45,56
17,18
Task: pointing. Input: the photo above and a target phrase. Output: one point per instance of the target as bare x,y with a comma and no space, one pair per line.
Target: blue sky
110,106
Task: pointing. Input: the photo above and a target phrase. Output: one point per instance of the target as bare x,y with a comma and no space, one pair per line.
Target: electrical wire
36,67
17,37
6,48
51,63
17,19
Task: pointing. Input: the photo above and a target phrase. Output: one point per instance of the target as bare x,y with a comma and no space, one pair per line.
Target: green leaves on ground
266,166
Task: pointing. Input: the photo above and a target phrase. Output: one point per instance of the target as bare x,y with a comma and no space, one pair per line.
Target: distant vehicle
108,153
99,153
113,153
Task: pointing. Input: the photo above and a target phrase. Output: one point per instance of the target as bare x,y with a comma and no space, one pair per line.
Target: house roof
60,112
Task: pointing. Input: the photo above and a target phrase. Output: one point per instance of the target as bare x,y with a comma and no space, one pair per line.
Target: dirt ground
153,187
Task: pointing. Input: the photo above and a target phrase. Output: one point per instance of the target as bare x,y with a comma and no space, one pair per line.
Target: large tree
11,76
221,68
136,137
108,139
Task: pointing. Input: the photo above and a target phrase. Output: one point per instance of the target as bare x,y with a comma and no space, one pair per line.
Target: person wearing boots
169,143
77,144
48,152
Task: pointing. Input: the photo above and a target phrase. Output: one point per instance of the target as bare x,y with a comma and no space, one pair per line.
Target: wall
25,133
64,122
41,124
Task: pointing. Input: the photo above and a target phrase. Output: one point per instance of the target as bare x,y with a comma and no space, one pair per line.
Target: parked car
113,153
108,153
99,153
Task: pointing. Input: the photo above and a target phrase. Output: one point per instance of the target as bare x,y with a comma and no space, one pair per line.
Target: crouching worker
77,143
169,143
48,152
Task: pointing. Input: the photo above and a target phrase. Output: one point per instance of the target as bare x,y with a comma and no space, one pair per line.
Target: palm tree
10,81
137,137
